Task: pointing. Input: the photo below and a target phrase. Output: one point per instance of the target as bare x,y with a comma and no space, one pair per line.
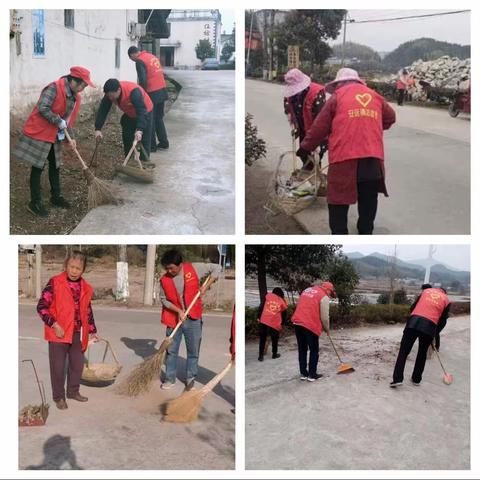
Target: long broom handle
216,379
188,309
69,138
439,359
134,144
333,345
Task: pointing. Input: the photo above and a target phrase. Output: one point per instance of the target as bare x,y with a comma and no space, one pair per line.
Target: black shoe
60,202
277,355
163,146
37,209
314,377
395,384
260,359
148,165
153,148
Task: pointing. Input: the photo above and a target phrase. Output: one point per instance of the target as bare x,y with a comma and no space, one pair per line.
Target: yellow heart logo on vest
364,99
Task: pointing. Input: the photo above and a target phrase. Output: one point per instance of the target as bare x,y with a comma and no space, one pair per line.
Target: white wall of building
185,34
90,44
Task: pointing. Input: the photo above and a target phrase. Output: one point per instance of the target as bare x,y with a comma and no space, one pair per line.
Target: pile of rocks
444,72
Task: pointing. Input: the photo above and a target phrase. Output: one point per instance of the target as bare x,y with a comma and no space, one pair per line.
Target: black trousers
58,353
400,96
367,211
265,330
53,177
410,335
307,340
129,127
159,131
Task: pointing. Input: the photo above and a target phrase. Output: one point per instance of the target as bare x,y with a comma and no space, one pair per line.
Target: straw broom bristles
99,191
187,406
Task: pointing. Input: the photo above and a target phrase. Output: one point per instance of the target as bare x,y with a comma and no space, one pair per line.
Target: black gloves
303,154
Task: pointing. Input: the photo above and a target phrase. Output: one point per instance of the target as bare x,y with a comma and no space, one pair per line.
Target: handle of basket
42,396
107,347
294,152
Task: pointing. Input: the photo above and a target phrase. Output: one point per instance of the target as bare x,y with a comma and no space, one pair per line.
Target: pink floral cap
296,81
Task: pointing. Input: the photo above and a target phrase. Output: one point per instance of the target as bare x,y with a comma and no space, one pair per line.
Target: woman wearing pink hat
43,133
302,103
353,120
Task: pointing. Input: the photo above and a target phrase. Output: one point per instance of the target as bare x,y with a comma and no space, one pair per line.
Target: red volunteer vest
272,311
125,104
62,310
313,91
192,285
232,334
357,128
39,128
307,313
431,304
155,78
400,85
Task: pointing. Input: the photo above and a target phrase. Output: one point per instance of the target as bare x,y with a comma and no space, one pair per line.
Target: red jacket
62,309
272,311
313,91
307,313
431,304
39,128
155,78
353,120
124,102
191,288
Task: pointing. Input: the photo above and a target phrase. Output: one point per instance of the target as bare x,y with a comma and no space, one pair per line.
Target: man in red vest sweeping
178,287
137,110
43,134
428,316
353,120
151,79
302,103
311,313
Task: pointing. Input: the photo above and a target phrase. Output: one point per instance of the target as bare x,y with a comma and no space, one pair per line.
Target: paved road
113,432
194,186
427,165
356,421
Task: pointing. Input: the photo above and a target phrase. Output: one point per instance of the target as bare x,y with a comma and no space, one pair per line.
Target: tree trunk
262,272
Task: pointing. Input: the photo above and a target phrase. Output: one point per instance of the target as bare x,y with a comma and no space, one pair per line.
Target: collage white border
9,262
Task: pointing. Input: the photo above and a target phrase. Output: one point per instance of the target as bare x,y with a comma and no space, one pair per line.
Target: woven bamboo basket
102,373
282,188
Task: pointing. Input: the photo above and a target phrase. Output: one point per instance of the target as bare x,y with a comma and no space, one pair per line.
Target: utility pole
392,275
431,250
38,271
149,275
252,13
344,37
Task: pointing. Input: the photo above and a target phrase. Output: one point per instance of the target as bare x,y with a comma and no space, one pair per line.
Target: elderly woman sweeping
43,134
353,120
302,103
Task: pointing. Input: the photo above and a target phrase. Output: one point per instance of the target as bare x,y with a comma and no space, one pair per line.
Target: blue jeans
192,331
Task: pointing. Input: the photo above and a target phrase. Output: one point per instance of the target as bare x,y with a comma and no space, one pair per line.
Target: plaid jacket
34,152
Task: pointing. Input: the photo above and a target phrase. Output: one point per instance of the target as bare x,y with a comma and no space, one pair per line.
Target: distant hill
378,264
425,49
358,51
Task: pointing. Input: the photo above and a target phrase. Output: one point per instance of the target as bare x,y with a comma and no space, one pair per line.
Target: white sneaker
303,377
395,384
167,385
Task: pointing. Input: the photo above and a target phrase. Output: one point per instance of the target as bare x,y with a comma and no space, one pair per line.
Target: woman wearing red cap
43,133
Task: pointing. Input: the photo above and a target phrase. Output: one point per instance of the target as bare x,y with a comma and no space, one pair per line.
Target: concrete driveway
194,186
356,421
111,432
427,167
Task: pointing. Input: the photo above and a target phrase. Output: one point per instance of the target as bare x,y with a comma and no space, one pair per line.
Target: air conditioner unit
140,30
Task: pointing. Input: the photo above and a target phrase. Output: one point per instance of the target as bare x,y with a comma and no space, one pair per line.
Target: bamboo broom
186,407
143,375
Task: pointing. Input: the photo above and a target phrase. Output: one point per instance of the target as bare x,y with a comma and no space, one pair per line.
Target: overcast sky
457,256
228,19
386,36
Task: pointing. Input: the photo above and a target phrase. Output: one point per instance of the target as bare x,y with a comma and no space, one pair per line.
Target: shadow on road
142,347
57,451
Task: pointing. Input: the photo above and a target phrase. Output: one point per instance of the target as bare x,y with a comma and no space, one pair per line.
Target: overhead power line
408,17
